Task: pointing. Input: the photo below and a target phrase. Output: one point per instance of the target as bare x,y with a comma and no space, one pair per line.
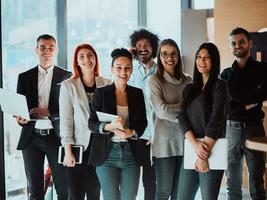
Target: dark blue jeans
191,180
119,174
255,162
167,176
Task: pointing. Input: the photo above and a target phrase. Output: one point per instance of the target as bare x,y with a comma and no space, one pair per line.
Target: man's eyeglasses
166,55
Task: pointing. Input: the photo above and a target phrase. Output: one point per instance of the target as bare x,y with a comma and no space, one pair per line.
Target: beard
241,54
144,58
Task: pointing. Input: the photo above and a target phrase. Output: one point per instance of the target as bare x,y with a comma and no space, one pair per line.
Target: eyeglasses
166,55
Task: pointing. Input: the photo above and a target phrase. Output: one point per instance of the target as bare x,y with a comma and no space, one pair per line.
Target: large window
104,24
164,18
22,22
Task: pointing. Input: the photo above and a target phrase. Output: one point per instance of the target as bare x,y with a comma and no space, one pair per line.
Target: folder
218,159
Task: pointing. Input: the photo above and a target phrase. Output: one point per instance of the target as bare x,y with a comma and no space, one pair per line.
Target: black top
205,120
246,86
104,100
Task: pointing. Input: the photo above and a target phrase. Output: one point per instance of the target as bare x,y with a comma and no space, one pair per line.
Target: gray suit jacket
74,111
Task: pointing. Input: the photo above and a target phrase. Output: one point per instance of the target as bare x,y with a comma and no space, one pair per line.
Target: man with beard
248,89
144,45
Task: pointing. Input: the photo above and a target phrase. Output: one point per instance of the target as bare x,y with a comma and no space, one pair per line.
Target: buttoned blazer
28,86
74,111
104,100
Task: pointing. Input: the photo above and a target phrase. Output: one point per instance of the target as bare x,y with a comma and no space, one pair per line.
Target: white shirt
44,87
123,112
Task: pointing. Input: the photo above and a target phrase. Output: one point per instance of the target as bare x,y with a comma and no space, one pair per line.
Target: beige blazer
74,111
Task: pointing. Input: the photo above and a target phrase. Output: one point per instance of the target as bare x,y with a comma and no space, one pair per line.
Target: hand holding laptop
21,120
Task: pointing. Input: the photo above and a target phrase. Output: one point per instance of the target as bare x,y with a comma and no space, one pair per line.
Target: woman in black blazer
114,149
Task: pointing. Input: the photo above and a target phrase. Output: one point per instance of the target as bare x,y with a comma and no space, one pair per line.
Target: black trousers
34,156
149,177
82,180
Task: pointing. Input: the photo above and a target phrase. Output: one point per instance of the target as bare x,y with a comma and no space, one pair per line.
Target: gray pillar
61,12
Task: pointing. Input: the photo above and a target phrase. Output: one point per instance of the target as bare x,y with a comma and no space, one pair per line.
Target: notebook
218,158
77,150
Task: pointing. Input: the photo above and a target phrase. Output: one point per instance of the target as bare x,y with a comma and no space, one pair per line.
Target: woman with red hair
74,104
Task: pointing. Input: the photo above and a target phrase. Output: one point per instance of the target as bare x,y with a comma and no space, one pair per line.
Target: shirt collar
140,65
248,63
43,71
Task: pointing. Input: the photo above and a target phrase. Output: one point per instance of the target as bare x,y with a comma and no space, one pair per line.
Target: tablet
77,150
106,117
218,158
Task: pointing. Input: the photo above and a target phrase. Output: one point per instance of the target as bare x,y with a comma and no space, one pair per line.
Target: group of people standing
158,106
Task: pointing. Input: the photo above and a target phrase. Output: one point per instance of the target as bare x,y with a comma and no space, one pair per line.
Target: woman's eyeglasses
166,55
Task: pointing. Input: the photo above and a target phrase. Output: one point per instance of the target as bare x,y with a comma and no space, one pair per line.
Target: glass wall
104,24
164,18
22,22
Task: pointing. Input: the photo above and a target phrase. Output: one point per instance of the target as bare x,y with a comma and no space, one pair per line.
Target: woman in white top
74,104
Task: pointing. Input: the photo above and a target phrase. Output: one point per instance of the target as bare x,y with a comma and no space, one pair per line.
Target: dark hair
45,37
76,69
120,52
178,68
239,30
145,34
213,76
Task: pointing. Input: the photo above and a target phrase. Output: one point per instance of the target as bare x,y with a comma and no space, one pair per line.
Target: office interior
106,25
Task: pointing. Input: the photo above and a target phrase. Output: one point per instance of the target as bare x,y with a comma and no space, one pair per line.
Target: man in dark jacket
40,136
248,89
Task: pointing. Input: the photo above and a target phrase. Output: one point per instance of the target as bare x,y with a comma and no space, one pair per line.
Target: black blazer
28,86
104,100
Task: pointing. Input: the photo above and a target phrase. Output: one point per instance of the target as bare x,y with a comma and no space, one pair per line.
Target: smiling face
240,45
46,50
144,51
122,70
203,62
86,60
169,58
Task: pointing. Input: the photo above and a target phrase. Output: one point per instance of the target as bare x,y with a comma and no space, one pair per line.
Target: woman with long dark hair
203,115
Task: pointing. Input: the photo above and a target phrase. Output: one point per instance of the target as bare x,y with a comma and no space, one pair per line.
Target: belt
43,132
242,124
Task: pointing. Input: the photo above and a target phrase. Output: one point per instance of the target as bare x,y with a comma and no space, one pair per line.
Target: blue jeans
255,162
167,176
191,180
119,174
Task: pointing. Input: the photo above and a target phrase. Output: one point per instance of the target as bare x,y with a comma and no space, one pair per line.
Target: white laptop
217,160
14,103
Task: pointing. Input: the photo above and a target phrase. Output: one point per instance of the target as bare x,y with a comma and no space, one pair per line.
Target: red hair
76,69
